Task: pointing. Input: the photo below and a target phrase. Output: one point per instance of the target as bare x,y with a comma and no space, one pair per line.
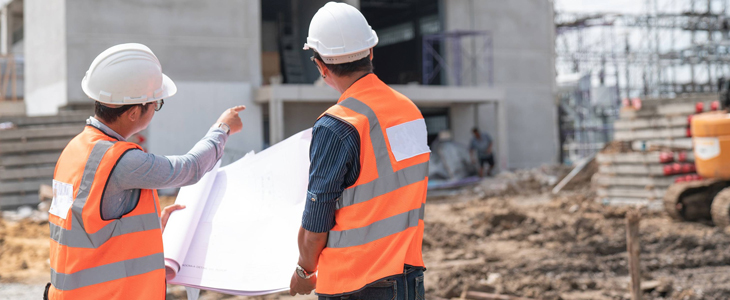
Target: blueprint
238,232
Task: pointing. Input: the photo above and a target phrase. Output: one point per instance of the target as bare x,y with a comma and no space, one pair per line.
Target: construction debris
573,173
653,151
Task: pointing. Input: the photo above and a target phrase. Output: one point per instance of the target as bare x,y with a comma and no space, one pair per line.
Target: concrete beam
418,94
277,95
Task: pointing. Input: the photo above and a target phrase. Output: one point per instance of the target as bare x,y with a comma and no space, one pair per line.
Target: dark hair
475,130
109,114
346,69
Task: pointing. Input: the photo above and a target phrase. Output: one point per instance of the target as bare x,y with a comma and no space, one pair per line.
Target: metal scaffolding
669,48
673,47
470,57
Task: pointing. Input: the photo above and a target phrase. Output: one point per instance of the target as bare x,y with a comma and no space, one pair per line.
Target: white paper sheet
186,220
245,236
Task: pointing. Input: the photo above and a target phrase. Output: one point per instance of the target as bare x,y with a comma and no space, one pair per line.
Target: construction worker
481,151
105,219
362,227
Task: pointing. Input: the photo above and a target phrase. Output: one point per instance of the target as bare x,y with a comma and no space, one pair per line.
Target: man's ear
134,114
322,68
371,54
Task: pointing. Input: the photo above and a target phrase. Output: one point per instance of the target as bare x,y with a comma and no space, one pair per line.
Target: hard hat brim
169,88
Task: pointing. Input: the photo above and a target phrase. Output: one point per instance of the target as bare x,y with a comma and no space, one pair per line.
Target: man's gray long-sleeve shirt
137,170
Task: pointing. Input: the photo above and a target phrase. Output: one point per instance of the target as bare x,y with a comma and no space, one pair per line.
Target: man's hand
230,117
166,213
302,286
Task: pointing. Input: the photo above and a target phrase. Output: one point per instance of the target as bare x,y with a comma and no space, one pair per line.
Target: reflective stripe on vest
104,273
67,284
376,230
386,182
77,237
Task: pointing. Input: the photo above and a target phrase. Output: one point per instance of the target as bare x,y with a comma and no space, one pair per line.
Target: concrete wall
211,49
461,117
12,108
523,42
187,116
216,40
45,56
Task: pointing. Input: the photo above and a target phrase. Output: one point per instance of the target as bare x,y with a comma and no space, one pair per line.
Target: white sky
642,40
621,6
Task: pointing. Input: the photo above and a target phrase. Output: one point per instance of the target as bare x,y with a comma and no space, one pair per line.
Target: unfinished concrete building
465,63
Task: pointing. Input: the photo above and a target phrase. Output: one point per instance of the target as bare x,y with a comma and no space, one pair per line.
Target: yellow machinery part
711,141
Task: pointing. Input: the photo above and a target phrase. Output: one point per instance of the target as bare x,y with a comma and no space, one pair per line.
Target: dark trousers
406,286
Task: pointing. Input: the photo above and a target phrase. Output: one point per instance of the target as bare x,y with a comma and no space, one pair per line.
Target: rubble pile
567,247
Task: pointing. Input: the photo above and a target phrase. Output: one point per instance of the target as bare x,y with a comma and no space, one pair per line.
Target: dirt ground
507,235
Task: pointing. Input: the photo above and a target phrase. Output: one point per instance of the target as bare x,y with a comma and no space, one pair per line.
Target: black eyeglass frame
158,104
313,59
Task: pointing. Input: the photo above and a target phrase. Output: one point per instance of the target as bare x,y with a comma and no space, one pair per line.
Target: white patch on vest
63,198
408,139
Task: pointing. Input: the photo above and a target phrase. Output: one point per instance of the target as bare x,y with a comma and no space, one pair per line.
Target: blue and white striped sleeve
335,165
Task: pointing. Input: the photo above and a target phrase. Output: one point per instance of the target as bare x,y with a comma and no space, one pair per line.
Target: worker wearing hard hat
105,219
362,227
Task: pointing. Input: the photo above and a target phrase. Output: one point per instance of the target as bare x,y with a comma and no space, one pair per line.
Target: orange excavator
709,197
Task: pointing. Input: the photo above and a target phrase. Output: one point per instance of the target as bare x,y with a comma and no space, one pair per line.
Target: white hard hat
340,34
127,74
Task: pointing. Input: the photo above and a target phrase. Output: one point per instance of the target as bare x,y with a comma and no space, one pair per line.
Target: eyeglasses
312,58
158,104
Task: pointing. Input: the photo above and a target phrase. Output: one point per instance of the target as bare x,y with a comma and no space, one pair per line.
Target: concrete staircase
29,151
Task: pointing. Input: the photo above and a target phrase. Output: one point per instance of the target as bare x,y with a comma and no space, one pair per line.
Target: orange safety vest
92,258
379,219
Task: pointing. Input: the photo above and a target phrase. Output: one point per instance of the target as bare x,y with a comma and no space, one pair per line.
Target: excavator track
692,201
721,209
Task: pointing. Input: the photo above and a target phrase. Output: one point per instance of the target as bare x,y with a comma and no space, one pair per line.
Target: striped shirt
335,166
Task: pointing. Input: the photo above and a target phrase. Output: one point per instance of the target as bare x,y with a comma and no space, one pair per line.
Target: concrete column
502,141
355,3
4,30
276,120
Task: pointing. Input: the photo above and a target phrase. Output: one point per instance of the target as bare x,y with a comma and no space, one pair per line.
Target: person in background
481,151
105,219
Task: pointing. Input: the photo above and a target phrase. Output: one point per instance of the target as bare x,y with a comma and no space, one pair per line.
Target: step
23,186
644,134
26,173
19,147
629,192
653,157
13,201
651,204
651,144
29,159
61,118
41,132
654,169
650,123
604,180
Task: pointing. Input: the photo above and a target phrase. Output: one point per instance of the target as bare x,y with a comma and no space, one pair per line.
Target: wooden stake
633,249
